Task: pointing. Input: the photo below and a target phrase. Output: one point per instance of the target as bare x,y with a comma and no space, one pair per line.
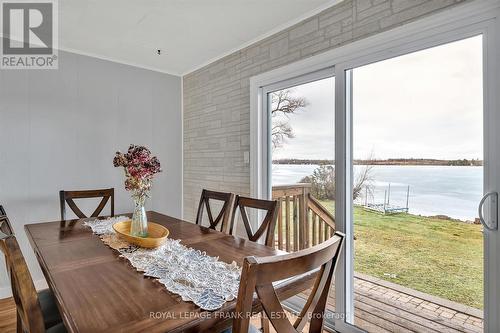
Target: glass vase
139,225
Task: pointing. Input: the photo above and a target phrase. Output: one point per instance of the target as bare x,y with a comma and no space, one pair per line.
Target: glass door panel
417,145
301,167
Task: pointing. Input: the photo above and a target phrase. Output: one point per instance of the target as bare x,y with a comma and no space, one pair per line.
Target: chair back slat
5,226
268,224
221,221
67,197
258,274
5,231
23,290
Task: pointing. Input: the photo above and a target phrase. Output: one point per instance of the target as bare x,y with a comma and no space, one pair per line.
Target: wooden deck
381,308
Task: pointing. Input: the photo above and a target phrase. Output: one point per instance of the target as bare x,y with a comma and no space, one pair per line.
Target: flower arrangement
140,167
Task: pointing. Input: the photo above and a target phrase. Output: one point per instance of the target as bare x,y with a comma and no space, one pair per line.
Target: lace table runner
190,273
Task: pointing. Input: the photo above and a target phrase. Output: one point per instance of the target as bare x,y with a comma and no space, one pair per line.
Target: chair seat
51,315
59,328
251,329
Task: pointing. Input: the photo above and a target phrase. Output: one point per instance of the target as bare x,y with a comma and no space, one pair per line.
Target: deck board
392,316
382,311
411,315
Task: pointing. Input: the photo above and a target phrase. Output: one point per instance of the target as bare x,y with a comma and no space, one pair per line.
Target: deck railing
302,221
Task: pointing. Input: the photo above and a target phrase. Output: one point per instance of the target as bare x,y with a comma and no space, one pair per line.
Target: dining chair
36,312
259,274
5,226
66,197
5,229
221,221
267,227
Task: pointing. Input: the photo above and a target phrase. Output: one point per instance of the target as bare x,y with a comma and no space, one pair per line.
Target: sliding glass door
300,168
397,147
417,179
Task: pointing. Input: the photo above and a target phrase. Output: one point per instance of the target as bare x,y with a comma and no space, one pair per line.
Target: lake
454,191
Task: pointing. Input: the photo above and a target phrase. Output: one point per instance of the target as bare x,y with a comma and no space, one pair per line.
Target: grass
439,257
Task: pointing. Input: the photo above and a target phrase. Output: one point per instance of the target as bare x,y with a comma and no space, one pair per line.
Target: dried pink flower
120,160
140,167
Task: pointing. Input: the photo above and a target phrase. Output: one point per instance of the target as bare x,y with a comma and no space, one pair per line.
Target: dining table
96,290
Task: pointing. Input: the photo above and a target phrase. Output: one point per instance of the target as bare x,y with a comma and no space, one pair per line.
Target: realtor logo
29,35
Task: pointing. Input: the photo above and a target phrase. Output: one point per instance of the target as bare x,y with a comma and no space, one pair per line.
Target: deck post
303,204
385,199
296,224
407,197
389,195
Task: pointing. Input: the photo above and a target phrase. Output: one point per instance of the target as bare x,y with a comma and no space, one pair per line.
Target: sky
426,104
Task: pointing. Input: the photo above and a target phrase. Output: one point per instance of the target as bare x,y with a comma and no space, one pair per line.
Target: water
453,191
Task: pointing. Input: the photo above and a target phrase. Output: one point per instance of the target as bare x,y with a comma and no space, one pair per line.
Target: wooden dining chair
268,223
259,274
67,197
5,226
36,312
221,221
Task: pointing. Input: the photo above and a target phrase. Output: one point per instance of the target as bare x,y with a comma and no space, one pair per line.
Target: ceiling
190,33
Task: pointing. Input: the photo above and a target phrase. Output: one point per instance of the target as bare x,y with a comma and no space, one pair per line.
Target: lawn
439,257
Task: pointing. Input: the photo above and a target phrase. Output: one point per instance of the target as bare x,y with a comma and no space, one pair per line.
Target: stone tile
404,299
304,29
447,314
461,316
372,11
430,306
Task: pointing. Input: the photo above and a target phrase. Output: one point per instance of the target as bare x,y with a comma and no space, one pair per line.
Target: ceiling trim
117,61
276,30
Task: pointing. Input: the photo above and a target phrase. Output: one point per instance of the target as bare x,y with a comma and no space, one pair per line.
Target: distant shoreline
391,161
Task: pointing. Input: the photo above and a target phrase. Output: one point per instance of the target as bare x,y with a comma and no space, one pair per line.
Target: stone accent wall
217,96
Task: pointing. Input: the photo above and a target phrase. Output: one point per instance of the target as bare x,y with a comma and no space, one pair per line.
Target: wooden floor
7,316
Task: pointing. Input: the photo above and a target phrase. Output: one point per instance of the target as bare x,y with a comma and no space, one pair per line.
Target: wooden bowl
157,234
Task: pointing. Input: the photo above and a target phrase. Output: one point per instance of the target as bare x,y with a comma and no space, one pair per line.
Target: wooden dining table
98,291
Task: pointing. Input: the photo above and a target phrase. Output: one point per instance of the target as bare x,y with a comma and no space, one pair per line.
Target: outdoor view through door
418,147
417,124
302,171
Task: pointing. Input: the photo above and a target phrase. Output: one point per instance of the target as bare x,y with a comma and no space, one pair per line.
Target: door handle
494,207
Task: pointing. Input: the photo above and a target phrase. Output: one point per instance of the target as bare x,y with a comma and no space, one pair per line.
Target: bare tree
283,104
363,180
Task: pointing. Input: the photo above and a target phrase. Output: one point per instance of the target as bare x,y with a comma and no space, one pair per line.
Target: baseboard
6,292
